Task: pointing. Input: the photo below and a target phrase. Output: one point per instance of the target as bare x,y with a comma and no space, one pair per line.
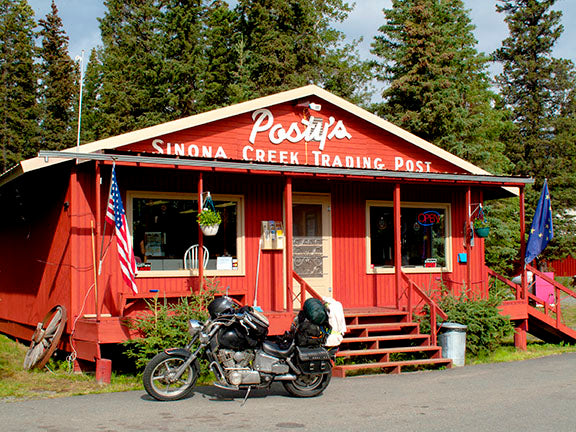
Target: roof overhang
506,182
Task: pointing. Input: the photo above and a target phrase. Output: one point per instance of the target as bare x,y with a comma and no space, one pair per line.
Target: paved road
533,395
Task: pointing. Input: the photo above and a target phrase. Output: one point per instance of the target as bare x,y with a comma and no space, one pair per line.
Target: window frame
240,235
447,207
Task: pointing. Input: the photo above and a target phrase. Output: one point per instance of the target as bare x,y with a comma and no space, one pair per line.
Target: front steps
382,340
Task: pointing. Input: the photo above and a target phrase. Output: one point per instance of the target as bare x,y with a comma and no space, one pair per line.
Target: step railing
435,310
531,299
304,288
558,287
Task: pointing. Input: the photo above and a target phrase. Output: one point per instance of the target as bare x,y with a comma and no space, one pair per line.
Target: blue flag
541,230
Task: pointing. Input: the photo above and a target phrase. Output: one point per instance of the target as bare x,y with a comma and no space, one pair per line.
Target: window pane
165,228
423,236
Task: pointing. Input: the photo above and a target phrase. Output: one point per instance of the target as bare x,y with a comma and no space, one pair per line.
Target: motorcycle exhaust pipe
218,373
286,377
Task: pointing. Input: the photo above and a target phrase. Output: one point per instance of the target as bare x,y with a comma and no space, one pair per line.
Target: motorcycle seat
276,350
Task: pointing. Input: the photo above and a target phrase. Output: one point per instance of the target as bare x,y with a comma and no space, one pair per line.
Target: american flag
116,215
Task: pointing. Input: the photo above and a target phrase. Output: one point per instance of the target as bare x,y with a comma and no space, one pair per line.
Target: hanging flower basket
482,231
210,230
209,219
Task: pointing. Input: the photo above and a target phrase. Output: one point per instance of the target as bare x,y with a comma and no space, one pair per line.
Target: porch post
200,235
397,243
468,233
288,230
522,327
524,293
97,209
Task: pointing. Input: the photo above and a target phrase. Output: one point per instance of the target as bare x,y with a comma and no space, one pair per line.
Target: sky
81,24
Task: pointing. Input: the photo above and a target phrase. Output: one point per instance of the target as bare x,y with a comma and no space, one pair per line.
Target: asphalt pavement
532,395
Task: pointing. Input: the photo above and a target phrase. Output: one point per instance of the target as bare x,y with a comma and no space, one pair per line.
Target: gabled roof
234,110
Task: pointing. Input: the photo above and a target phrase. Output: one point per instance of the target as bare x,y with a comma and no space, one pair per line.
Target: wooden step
388,327
382,316
394,337
377,351
391,367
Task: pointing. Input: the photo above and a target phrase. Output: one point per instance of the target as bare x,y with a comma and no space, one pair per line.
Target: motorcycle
234,342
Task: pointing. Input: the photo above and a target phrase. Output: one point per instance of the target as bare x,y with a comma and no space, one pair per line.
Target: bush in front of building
165,325
486,327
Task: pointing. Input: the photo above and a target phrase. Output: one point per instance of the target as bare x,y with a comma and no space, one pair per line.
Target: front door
312,243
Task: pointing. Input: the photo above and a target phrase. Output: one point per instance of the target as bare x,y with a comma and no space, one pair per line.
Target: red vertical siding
35,260
565,267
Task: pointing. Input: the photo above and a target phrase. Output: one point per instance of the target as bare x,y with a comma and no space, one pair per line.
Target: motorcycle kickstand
246,396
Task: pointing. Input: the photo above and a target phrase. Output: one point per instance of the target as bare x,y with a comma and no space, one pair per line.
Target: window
164,226
425,238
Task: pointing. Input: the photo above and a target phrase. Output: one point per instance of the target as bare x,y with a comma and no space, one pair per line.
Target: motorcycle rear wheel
308,385
158,377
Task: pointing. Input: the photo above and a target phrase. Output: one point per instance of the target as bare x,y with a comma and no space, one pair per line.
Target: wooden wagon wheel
46,337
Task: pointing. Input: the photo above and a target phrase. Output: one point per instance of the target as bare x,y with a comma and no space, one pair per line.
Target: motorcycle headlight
194,327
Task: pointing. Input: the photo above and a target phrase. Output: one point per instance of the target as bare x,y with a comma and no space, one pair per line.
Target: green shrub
165,325
486,328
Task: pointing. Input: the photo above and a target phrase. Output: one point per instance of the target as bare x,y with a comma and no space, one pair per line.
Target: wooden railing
435,310
516,289
529,297
548,308
304,288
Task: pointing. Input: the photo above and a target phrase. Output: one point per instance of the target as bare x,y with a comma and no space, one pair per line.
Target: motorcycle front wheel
159,377
308,385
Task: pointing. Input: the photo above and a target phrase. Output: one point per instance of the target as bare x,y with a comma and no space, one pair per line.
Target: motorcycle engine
236,366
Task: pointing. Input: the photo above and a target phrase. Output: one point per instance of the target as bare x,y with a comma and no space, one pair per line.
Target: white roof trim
242,108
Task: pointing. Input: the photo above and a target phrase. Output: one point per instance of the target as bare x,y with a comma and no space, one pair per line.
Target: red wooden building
315,192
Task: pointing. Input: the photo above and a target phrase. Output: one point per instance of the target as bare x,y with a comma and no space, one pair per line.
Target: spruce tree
291,43
183,56
134,92
58,88
93,127
437,83
18,108
539,90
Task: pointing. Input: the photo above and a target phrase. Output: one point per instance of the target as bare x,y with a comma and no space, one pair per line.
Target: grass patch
17,383
508,353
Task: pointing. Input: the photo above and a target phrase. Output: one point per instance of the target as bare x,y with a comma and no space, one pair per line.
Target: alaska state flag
541,231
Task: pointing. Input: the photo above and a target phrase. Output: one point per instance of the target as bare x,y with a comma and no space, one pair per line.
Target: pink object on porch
545,290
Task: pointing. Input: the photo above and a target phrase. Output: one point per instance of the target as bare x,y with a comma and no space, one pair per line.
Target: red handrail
515,287
434,308
557,288
548,308
305,288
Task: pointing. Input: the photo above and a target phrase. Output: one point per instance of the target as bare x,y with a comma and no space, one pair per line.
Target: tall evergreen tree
226,74
134,92
92,120
165,59
539,91
18,108
184,62
438,85
291,43
58,88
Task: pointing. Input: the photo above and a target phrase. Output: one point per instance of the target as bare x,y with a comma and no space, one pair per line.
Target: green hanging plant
209,217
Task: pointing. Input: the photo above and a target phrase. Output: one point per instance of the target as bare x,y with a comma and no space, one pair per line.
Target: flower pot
482,232
210,230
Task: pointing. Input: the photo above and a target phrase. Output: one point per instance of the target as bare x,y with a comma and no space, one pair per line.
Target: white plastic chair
191,257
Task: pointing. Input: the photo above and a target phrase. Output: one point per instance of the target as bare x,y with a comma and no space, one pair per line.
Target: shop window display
424,236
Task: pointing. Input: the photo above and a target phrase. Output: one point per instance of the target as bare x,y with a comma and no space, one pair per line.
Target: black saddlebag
313,360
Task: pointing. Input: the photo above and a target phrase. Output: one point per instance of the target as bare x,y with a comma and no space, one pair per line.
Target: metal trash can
452,339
